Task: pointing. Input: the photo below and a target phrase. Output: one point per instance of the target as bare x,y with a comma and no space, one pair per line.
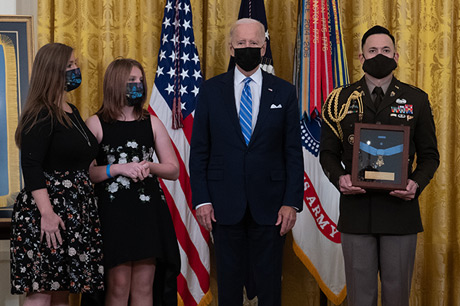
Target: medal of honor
380,153
379,162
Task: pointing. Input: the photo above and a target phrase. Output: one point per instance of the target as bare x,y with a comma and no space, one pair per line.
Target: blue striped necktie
246,110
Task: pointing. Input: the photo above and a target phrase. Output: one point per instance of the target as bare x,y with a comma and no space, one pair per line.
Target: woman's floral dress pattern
76,265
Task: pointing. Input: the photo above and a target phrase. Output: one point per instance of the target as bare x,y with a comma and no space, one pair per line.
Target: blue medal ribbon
380,152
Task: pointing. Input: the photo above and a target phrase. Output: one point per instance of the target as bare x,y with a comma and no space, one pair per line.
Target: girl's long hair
46,89
114,89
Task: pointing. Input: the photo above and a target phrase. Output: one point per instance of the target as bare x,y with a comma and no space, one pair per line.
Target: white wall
8,7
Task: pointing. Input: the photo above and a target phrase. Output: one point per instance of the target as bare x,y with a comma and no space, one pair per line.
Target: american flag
173,100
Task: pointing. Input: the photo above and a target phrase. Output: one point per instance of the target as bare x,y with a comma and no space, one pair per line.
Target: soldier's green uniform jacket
376,211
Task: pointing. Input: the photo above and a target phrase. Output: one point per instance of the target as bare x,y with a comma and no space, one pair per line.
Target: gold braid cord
337,116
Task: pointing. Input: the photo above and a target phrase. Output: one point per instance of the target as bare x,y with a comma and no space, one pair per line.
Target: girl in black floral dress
56,244
140,245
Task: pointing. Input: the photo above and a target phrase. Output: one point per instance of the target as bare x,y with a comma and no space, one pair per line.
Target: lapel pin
392,94
269,89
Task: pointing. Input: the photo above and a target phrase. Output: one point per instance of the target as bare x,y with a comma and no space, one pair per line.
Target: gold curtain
428,38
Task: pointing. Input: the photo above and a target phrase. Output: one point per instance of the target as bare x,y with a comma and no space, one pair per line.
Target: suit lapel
266,99
367,100
228,90
391,95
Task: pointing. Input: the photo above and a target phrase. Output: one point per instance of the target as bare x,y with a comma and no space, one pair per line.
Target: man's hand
407,194
286,217
346,187
205,214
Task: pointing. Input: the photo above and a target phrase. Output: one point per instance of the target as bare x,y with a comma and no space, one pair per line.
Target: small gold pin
397,87
392,94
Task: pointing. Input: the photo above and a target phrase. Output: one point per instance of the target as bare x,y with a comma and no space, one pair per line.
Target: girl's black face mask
134,93
379,66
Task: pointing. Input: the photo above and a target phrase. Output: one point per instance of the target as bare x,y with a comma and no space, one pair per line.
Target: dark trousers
246,242
367,255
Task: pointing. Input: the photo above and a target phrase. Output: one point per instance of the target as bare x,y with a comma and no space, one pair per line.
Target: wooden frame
16,57
380,156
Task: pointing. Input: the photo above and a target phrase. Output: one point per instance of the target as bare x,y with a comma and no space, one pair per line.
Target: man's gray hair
248,21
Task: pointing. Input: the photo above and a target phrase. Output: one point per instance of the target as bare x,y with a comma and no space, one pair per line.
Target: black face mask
247,58
379,66
72,79
134,93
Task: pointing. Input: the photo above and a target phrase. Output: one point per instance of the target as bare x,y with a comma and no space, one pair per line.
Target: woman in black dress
56,245
139,238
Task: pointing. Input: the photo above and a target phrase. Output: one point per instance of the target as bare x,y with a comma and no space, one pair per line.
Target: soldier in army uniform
379,229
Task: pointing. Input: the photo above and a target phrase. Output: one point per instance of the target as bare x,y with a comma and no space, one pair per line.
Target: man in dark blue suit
246,168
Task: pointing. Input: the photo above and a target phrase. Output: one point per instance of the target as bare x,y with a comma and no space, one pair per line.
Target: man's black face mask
379,66
247,58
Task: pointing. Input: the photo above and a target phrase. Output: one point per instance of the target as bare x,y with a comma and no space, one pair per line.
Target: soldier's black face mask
247,58
379,66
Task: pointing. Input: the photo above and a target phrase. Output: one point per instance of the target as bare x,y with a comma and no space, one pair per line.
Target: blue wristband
107,171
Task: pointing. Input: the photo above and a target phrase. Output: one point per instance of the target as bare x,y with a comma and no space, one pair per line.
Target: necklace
80,128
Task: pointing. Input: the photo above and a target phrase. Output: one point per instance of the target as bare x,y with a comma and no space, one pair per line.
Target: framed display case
380,156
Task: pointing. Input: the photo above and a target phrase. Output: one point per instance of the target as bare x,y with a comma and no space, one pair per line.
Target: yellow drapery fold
428,41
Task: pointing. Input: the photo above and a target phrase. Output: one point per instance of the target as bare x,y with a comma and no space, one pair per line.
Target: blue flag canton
311,134
178,74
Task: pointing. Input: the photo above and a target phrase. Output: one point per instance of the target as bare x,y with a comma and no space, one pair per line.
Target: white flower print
123,159
23,269
124,181
131,144
82,257
35,286
67,183
101,269
110,159
55,286
144,198
135,159
30,254
113,187
72,252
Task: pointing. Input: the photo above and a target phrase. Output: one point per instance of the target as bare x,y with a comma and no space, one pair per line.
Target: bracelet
107,171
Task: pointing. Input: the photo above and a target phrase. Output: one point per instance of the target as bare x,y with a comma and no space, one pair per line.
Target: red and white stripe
193,281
